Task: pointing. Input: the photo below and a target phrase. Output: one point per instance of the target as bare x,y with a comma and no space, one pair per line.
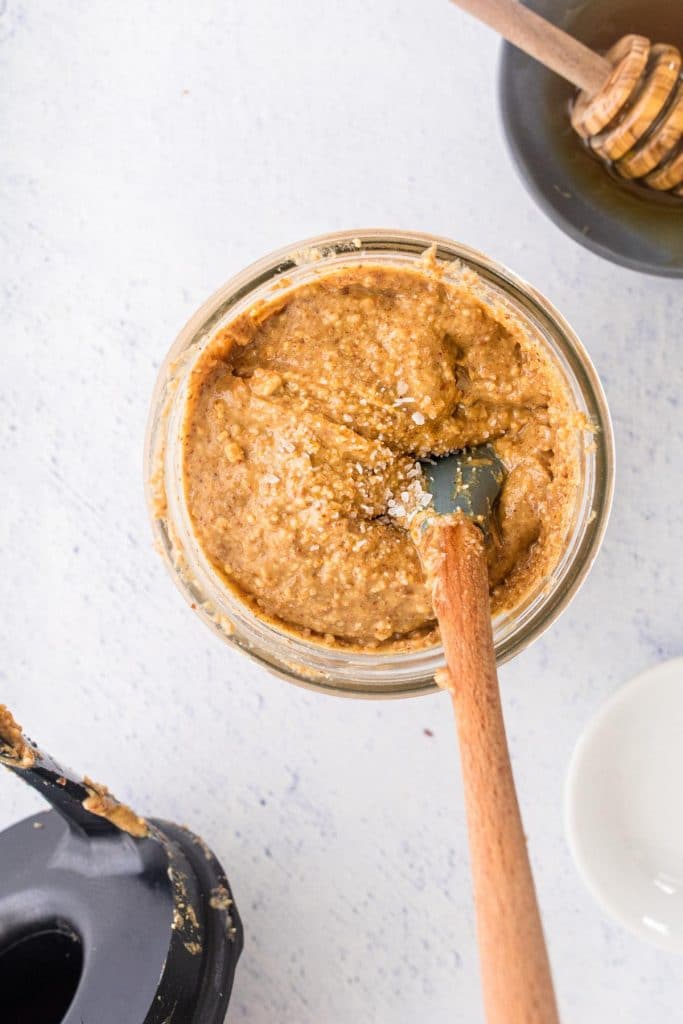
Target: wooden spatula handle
542,40
515,970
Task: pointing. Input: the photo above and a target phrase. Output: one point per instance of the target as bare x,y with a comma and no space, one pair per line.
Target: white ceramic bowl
623,806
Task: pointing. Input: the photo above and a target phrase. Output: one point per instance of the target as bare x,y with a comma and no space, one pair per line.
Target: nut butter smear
304,420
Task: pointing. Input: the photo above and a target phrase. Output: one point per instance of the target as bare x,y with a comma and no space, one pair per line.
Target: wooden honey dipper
629,109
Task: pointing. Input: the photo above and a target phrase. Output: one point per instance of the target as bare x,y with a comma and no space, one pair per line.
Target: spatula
516,978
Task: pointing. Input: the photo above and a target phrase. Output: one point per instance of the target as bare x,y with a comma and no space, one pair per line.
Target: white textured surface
149,150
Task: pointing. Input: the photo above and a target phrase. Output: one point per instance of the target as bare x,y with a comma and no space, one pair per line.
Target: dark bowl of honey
620,221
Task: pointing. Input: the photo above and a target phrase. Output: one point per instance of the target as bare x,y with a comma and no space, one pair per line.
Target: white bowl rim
572,797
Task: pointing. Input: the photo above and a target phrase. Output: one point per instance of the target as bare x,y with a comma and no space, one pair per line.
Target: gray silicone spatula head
467,481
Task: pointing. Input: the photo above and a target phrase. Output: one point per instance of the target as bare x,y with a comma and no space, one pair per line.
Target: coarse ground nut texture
304,420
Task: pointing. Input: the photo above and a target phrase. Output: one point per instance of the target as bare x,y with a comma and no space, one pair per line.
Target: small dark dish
569,184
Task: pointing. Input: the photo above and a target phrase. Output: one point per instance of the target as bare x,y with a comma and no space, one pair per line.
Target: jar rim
341,671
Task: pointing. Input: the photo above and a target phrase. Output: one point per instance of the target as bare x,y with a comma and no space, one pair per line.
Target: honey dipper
629,108
515,971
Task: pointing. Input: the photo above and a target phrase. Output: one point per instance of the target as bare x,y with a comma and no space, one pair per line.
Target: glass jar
294,658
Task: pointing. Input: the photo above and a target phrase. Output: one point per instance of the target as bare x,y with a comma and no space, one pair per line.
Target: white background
149,150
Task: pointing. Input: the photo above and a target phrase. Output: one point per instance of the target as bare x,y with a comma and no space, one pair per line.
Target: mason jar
293,657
